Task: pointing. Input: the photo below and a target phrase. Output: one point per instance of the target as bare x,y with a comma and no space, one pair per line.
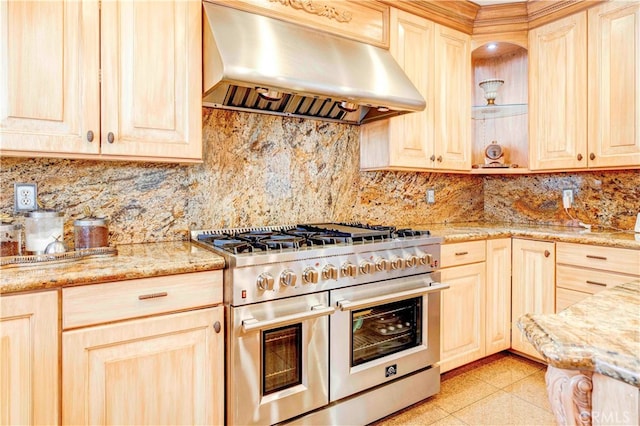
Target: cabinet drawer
101,303
625,261
587,281
462,253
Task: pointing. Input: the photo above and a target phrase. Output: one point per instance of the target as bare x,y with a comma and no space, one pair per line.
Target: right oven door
382,331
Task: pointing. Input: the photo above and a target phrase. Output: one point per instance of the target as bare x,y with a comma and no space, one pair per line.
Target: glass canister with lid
41,228
10,239
91,232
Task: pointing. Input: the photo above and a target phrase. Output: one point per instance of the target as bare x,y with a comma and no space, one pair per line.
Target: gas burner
329,239
256,235
280,242
407,232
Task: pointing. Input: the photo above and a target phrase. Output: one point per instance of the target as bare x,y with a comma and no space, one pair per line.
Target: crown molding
472,19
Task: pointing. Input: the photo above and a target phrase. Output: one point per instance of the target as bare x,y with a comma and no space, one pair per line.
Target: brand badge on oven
391,370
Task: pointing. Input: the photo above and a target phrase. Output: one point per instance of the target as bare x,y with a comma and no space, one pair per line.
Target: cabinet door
29,359
557,94
161,370
462,316
614,82
49,77
412,134
151,79
498,308
533,272
452,99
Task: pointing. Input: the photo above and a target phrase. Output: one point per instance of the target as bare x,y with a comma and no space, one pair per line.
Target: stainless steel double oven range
328,323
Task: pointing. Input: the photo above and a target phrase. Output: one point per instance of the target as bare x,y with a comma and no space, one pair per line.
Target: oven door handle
252,324
348,305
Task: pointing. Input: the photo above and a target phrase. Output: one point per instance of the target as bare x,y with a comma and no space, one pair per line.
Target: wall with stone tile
609,198
262,170
258,170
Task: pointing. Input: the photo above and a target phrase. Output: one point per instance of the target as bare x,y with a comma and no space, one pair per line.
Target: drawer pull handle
590,256
217,327
462,253
547,253
596,283
152,295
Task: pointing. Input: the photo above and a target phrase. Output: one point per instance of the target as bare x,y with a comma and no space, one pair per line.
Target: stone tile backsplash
261,170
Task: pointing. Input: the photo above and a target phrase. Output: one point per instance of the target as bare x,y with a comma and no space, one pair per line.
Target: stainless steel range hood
259,64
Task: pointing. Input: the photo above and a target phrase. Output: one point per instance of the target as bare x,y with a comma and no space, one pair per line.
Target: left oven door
278,359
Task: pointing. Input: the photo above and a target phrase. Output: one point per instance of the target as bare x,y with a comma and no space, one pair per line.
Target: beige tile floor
503,389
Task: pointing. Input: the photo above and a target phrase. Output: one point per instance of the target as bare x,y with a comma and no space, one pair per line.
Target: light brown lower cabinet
29,359
167,369
533,286
498,298
476,308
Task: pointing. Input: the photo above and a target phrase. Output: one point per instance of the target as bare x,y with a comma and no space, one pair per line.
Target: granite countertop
600,334
167,258
132,261
468,231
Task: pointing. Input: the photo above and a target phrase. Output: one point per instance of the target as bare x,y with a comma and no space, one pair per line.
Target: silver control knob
329,272
310,275
397,263
426,259
288,278
383,265
265,281
367,267
411,261
349,269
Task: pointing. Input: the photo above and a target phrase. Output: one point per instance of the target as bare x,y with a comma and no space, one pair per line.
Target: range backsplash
266,170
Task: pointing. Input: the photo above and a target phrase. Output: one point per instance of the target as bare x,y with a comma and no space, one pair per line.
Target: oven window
385,329
282,358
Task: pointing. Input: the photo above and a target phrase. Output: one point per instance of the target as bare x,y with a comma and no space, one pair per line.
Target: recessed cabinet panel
533,289
614,104
558,101
29,359
462,335
410,35
159,370
148,86
49,71
453,99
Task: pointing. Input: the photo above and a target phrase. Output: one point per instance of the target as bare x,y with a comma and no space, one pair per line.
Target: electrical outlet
25,197
431,196
567,198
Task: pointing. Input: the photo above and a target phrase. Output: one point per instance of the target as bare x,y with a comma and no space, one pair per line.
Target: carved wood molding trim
319,9
570,395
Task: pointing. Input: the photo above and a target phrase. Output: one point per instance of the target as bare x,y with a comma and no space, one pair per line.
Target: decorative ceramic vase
490,88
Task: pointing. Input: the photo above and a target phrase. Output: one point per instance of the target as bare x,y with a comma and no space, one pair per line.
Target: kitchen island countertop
132,261
599,334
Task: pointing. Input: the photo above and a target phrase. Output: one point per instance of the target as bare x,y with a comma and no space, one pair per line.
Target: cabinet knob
217,327
439,158
579,157
547,253
592,156
110,137
90,135
432,158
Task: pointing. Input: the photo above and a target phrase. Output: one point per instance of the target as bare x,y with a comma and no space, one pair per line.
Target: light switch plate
25,197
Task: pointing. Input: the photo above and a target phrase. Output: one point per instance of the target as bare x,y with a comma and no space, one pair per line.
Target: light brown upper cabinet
120,81
436,59
584,107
